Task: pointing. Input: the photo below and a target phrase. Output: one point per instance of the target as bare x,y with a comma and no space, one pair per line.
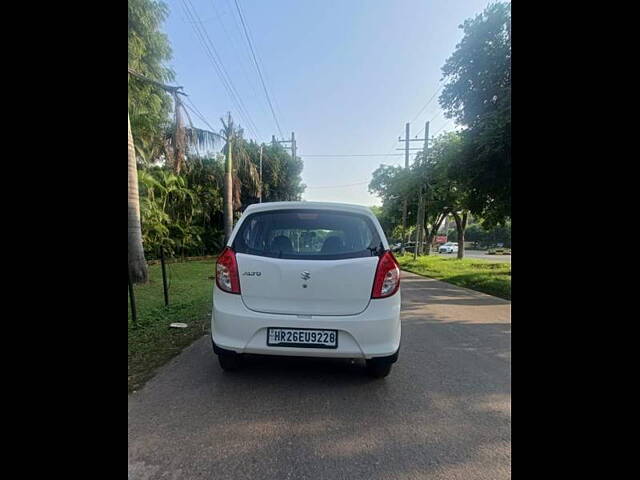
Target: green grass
151,341
485,276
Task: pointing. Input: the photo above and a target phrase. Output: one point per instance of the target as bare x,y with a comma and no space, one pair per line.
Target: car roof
346,207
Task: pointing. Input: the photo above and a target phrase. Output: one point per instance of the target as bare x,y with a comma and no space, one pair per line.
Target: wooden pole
164,278
406,166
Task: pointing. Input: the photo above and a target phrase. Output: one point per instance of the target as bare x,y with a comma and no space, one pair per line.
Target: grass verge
151,341
493,278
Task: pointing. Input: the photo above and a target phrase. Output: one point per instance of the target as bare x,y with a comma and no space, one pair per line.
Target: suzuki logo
305,275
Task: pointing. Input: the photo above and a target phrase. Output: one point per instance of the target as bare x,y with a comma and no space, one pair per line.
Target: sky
344,75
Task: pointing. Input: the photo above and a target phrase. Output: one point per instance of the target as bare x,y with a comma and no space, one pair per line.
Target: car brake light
227,277
387,280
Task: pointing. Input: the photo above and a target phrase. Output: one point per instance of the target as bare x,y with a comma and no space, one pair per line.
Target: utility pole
179,146
293,145
422,201
260,198
404,203
406,166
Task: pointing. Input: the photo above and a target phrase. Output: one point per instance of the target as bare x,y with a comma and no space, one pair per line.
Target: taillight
227,277
387,279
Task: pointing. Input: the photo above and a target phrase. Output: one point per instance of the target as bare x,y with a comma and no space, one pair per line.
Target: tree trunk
433,232
228,192
404,225
137,263
461,225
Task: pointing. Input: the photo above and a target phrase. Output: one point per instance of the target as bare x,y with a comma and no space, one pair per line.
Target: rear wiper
376,251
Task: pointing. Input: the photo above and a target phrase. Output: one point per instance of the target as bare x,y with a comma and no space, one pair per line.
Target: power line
255,60
342,186
232,41
427,104
356,155
443,127
242,110
197,112
216,61
434,117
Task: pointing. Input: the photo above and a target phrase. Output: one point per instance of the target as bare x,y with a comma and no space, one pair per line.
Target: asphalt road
443,413
479,254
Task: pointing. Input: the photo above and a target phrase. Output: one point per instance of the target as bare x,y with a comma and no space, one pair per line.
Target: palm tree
245,174
137,263
179,138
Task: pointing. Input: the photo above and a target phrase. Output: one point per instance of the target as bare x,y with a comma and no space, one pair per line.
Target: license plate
302,337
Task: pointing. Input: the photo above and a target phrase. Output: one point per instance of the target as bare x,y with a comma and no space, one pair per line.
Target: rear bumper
373,333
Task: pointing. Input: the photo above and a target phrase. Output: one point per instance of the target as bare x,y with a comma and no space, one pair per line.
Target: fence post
164,278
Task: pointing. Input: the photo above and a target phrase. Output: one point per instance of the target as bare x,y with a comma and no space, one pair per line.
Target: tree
243,174
281,174
137,263
452,187
148,49
393,184
478,95
148,52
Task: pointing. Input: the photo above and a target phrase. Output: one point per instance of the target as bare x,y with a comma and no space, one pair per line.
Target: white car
307,279
449,247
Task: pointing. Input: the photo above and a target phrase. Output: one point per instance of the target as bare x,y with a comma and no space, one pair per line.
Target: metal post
132,299
164,278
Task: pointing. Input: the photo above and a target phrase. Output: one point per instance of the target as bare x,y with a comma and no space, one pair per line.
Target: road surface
479,254
443,413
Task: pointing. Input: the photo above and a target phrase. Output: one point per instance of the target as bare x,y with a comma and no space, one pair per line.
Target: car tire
378,368
229,362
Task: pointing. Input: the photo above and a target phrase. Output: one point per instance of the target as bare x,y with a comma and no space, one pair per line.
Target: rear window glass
308,234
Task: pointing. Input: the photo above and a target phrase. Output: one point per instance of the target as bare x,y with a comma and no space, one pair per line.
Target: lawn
485,276
151,341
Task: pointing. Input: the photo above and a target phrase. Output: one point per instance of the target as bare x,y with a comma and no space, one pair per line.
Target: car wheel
229,362
378,368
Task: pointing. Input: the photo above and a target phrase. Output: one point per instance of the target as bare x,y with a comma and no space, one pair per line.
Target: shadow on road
436,292
436,414
444,412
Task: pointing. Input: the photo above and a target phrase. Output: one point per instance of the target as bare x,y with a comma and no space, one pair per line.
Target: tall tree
478,95
149,50
137,263
239,172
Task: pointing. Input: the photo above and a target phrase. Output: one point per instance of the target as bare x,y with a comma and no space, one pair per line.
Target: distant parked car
449,247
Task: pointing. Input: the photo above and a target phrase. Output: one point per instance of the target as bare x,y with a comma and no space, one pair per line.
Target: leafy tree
281,174
393,184
478,96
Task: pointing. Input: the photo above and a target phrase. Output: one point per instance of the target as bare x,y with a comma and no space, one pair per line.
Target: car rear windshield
308,234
